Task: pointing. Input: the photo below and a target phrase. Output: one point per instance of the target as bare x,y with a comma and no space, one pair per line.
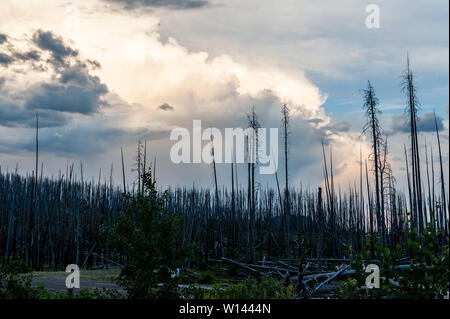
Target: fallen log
311,277
331,278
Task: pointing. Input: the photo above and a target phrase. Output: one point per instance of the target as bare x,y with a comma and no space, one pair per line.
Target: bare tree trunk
319,227
217,203
285,120
361,200
428,183
444,204
143,164
415,159
371,107
233,214
123,172
372,239
409,183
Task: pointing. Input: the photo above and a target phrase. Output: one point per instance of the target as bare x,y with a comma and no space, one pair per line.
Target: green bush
17,266
145,232
425,277
349,289
15,281
17,286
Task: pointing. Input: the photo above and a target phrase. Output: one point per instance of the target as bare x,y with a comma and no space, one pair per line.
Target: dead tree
443,214
369,196
123,172
409,90
233,214
372,128
253,156
285,123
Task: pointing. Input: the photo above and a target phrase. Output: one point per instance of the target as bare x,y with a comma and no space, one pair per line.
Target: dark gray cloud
10,115
2,81
32,55
66,98
76,92
15,116
72,89
3,38
425,123
166,107
343,126
399,124
48,41
79,75
78,141
13,56
88,139
5,59
170,4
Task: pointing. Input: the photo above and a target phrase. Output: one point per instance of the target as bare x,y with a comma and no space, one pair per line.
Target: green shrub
17,266
348,289
17,286
425,277
15,281
145,232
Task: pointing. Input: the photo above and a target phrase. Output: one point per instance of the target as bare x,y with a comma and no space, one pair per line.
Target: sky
104,74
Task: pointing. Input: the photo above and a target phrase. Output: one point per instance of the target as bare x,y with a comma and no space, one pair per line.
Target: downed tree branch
331,278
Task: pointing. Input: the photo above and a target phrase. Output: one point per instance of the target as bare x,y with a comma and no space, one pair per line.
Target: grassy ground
105,278
56,281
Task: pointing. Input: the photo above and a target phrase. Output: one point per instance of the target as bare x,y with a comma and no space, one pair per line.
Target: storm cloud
425,123
13,116
70,98
83,139
48,41
70,89
67,98
76,92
